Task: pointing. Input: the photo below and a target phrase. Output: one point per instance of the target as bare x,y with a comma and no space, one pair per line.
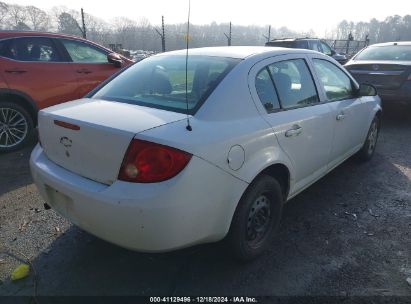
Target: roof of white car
240,52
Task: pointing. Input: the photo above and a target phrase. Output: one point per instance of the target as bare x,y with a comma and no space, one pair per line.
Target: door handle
16,71
340,116
295,131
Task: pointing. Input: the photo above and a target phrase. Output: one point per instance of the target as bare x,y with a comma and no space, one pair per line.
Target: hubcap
13,127
258,219
372,138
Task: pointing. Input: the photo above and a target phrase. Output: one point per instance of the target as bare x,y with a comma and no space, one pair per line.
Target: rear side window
337,85
160,82
31,49
2,47
285,44
294,44
82,52
265,90
294,83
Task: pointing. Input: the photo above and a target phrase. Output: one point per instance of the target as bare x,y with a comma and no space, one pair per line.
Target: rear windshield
392,52
160,82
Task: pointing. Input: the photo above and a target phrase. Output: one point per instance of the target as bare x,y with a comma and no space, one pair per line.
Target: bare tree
4,11
17,16
37,19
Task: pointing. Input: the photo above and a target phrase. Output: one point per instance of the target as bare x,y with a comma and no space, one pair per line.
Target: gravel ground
348,234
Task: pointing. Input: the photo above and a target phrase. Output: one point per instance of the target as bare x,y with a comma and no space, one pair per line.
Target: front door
347,109
89,63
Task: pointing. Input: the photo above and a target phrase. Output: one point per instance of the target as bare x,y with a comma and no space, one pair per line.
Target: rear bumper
194,207
401,95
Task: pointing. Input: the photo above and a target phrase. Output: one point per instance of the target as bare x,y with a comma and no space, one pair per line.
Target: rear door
303,126
350,112
35,67
89,63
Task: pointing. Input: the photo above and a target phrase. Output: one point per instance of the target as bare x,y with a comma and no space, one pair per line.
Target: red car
38,70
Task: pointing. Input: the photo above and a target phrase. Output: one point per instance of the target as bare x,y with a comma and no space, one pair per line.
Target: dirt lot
348,234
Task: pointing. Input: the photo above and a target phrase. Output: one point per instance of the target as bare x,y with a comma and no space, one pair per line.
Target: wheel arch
21,99
281,173
379,114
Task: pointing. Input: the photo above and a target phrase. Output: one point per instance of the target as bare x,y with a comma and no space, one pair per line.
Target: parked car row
314,44
38,70
387,66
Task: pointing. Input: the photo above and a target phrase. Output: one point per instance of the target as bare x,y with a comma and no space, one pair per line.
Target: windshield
392,52
160,82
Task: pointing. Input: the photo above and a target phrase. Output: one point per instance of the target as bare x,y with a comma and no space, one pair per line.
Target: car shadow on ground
345,235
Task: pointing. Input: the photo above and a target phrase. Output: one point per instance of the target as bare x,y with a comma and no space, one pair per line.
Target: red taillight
409,77
147,162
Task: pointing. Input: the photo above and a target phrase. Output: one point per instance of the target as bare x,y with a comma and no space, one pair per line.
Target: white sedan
163,157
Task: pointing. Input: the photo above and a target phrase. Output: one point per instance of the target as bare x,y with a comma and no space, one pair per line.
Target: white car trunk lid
105,129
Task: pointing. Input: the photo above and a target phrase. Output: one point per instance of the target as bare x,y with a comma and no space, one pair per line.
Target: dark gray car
309,44
387,66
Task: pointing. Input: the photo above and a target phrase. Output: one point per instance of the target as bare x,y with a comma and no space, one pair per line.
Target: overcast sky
319,15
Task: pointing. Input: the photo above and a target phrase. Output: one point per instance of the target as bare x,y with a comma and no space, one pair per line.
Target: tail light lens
147,162
409,77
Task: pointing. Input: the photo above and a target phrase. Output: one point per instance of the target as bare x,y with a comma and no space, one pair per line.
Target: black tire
16,126
246,219
368,149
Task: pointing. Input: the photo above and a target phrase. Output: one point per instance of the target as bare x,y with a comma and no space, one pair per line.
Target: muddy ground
348,234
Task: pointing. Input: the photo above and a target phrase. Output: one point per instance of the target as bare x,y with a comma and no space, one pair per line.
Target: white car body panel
233,139
146,217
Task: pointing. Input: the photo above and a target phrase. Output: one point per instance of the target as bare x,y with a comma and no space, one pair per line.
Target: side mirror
333,52
115,59
367,89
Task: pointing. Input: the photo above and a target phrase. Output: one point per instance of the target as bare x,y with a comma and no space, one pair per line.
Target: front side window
31,49
315,45
294,83
82,52
160,82
326,49
337,85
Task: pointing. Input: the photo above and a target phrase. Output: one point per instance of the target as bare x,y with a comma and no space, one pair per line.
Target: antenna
188,127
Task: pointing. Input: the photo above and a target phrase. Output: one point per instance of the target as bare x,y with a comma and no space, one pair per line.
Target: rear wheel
16,126
368,149
256,218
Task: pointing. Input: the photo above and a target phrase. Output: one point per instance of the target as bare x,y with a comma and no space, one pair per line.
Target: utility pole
162,35
269,34
228,36
84,24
